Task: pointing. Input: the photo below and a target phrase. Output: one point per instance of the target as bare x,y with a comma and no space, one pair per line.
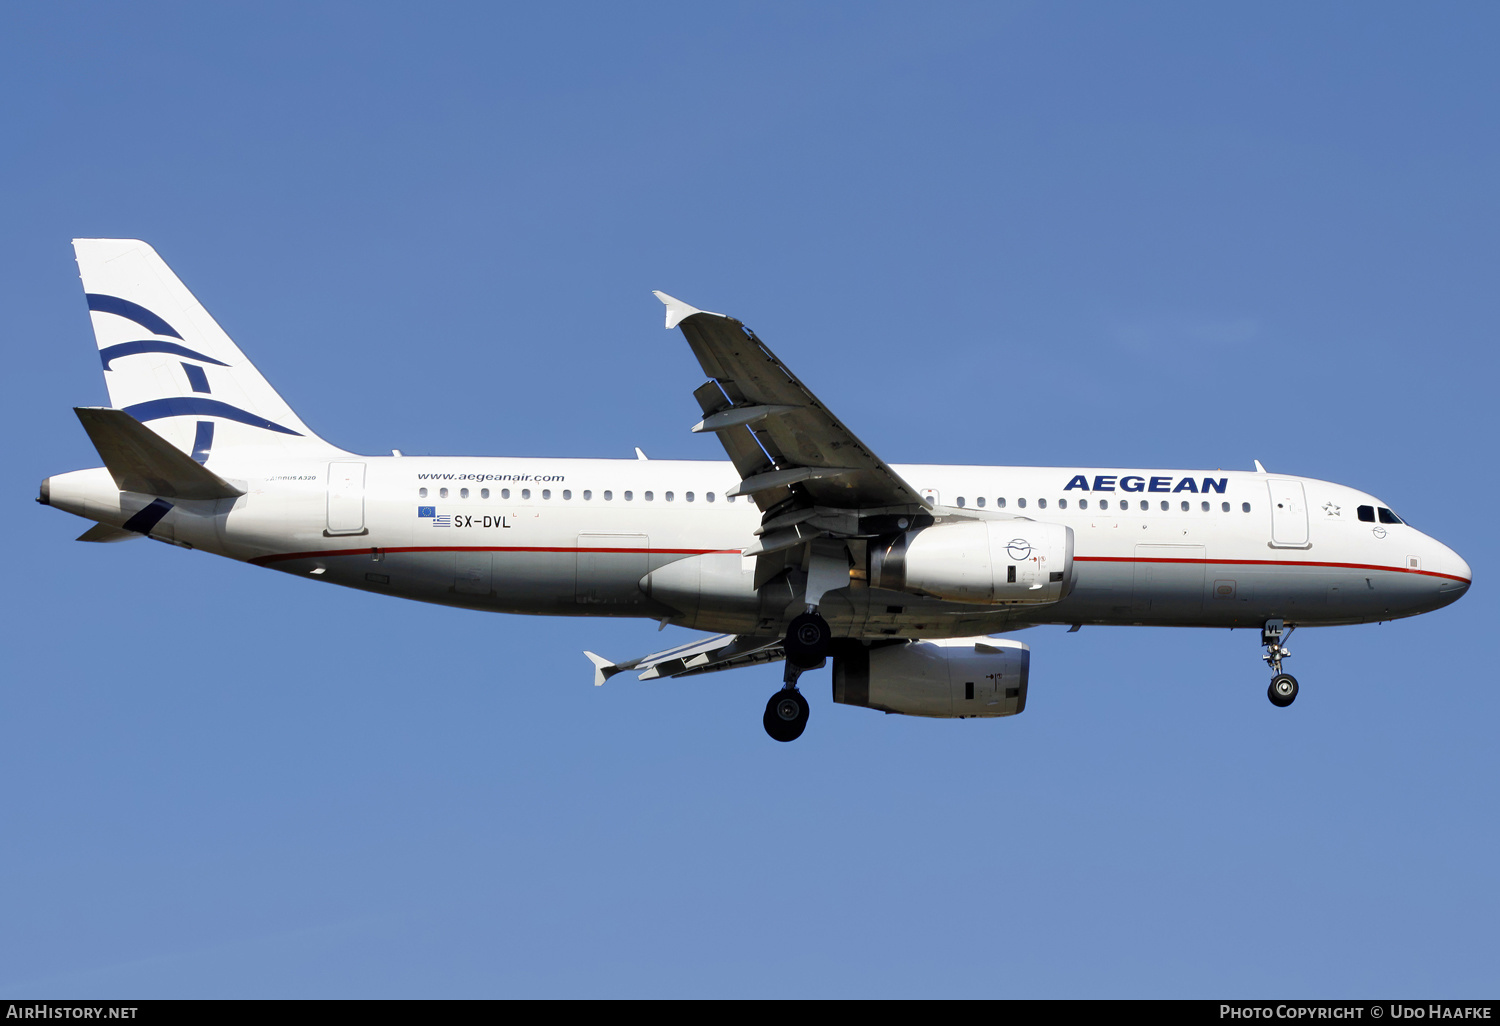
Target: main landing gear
1283,689
786,715
808,639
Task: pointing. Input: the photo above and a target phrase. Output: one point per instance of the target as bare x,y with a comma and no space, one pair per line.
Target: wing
720,652
777,433
808,473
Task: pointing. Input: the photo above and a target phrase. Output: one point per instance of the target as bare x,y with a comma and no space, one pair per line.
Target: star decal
1330,509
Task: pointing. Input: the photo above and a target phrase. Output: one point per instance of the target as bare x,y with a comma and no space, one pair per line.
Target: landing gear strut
1283,689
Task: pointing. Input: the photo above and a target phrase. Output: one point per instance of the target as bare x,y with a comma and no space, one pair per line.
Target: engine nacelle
949,677
994,562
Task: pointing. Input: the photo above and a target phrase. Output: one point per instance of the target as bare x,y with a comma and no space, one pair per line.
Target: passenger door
1288,514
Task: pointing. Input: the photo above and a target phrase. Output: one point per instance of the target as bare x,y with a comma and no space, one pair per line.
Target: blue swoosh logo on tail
151,345
187,406
131,312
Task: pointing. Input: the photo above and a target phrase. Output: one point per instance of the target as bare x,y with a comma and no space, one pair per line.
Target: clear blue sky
1145,235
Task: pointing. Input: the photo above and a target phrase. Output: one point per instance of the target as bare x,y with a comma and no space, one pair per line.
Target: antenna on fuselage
1258,468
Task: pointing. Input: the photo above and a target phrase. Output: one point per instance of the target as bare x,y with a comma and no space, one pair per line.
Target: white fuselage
594,537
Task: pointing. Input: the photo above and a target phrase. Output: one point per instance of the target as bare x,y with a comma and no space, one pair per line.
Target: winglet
678,311
603,668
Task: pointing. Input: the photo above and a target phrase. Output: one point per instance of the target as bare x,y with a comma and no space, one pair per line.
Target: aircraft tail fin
171,367
140,460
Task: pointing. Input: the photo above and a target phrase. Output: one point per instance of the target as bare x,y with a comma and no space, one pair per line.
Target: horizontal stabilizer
142,461
105,533
603,668
720,652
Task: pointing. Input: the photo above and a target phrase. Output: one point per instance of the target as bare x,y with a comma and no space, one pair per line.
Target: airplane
805,547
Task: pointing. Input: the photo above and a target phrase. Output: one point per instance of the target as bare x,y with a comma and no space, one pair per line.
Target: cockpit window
1387,517
1367,514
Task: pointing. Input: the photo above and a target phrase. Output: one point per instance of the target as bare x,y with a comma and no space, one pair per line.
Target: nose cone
1456,575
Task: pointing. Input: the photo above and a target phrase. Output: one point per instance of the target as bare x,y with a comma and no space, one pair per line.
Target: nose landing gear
1283,689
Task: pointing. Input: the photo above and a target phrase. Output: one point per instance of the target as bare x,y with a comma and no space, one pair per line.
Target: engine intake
993,562
946,678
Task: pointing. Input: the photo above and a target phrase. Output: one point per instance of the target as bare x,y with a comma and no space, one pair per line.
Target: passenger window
999,503
1245,506
1041,503
1387,517
442,493
729,498
484,493
688,496
1225,506
463,493
1165,505
1145,505
629,496
1062,503
1367,514
608,495
525,493
587,494
669,496
1104,504
649,496
1205,507
505,493
960,502
709,496
1083,504
421,493
546,493
567,493
979,502
1185,506
1021,503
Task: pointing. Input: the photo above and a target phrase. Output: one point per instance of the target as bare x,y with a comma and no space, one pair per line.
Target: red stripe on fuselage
280,557
1269,562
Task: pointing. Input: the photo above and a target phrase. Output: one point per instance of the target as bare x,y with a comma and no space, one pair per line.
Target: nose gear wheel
1283,690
